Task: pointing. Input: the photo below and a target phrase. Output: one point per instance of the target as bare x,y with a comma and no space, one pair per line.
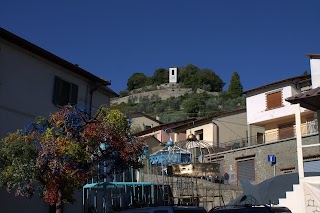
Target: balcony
283,133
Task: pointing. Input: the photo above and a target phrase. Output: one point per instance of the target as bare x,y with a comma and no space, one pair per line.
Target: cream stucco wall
223,130
272,128
26,87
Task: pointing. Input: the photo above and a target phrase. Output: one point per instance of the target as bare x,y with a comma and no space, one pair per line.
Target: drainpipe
216,134
249,134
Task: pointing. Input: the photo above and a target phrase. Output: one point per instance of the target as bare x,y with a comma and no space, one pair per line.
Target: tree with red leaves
56,156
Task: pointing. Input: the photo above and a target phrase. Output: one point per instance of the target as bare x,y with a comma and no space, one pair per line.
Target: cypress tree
235,88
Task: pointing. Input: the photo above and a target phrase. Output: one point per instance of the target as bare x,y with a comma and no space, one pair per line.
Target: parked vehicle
249,209
167,209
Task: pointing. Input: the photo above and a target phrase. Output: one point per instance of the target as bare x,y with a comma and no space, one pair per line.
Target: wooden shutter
65,93
56,90
74,94
274,100
246,170
286,131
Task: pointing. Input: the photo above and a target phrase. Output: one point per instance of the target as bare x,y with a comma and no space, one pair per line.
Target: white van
167,209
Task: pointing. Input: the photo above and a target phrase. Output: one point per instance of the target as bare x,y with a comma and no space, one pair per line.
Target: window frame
64,92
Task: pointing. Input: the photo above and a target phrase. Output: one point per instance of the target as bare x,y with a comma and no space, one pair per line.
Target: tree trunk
59,203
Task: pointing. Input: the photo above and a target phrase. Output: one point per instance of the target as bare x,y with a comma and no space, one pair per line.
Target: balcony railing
308,128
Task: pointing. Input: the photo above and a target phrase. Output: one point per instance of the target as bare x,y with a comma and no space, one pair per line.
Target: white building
266,107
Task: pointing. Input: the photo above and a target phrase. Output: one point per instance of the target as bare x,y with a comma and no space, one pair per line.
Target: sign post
272,159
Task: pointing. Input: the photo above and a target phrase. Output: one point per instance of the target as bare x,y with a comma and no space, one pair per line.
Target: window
199,134
286,131
260,138
64,92
274,100
147,127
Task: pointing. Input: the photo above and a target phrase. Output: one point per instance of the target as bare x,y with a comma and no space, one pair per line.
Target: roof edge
313,56
24,44
300,77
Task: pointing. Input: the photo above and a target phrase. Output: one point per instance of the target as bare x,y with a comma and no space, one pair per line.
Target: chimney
315,69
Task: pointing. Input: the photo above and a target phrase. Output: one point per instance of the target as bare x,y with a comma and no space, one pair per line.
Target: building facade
35,82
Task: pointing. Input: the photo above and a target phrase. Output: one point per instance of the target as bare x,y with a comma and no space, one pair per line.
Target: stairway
310,193
293,200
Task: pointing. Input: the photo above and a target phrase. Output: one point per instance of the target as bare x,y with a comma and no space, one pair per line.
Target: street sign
272,158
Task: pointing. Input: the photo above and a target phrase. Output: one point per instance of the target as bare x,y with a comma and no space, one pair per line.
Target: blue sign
272,158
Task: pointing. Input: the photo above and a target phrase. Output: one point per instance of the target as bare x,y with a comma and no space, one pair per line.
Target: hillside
184,92
163,91
170,106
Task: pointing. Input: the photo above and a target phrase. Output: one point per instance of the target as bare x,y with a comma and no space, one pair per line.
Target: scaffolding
183,178
174,175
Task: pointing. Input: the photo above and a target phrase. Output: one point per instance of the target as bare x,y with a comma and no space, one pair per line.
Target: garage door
246,170
312,166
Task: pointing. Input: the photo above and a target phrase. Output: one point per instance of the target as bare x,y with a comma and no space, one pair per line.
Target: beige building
226,130
35,82
141,121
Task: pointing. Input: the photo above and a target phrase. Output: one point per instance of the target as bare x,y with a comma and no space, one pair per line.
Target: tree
235,88
55,156
189,76
160,76
194,105
209,77
137,80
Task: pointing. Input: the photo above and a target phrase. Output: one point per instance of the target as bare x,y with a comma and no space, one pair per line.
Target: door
246,170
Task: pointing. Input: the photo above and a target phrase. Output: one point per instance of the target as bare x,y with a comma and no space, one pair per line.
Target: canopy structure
270,190
309,99
169,155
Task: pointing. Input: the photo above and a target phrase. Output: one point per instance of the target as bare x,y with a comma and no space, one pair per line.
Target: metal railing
308,128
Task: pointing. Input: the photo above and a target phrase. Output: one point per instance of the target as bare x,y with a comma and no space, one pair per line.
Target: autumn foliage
55,156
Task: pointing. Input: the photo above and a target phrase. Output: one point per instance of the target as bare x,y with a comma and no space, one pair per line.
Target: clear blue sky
264,41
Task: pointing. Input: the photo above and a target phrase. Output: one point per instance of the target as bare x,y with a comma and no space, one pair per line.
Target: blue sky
264,41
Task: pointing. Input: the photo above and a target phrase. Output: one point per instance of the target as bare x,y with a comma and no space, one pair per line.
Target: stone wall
163,92
284,150
208,193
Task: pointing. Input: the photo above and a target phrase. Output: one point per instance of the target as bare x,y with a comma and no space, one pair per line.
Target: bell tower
173,75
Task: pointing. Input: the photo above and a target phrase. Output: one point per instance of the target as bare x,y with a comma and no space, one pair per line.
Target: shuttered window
286,131
246,170
64,92
274,100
